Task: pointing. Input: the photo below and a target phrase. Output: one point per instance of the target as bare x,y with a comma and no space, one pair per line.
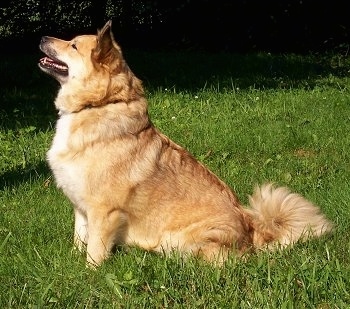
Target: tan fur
130,184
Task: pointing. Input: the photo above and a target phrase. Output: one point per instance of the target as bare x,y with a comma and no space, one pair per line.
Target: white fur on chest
60,141
68,172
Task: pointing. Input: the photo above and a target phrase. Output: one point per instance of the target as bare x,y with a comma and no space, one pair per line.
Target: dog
132,185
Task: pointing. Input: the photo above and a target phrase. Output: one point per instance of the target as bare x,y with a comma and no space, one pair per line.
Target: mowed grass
250,119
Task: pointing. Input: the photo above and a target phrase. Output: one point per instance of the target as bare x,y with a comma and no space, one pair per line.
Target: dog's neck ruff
86,107
62,112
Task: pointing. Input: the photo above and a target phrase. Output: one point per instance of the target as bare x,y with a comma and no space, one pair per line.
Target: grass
251,119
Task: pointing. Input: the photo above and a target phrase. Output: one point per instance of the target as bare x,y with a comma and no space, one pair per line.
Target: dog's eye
74,46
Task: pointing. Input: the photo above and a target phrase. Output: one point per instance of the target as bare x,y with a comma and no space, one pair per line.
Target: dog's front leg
80,230
105,229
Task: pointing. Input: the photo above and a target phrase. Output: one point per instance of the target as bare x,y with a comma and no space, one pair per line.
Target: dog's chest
68,172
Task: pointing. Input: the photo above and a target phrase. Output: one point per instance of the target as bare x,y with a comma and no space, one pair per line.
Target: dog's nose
44,39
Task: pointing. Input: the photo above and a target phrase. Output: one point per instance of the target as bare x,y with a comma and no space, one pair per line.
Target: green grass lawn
251,119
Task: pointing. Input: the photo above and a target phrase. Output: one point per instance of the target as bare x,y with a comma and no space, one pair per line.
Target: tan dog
130,184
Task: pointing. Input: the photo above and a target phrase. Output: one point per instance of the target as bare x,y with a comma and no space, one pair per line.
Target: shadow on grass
192,71
13,178
27,94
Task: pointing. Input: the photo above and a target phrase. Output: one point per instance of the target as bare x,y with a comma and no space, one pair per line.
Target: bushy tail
281,218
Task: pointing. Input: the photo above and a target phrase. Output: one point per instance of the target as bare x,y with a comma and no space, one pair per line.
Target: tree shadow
193,71
27,94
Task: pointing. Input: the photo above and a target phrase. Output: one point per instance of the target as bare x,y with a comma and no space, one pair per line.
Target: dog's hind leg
214,253
216,243
105,230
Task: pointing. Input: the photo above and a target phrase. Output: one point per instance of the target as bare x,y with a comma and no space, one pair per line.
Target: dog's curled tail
280,217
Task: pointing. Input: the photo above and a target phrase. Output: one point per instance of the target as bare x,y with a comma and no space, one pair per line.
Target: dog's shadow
16,176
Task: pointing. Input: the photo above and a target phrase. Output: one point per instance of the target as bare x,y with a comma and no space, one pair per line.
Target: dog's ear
107,52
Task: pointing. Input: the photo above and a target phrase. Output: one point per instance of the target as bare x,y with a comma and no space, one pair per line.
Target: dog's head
89,68
76,59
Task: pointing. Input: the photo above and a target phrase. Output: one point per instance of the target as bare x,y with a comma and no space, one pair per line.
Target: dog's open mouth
54,65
